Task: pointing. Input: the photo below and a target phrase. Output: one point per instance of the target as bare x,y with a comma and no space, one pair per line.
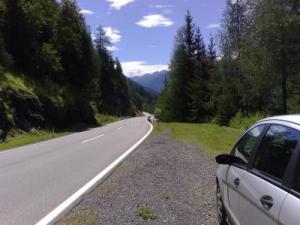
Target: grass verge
18,138
212,138
105,119
145,213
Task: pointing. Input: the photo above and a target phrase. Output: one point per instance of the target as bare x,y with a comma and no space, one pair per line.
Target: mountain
143,98
153,81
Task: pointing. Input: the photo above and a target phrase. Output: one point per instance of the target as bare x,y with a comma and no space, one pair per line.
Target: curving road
36,179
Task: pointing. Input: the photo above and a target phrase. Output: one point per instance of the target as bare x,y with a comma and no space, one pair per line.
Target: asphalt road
37,178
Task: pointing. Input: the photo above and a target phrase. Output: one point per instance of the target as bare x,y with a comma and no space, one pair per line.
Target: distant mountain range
142,97
153,82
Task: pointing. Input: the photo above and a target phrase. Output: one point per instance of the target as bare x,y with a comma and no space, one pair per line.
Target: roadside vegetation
105,119
254,72
244,122
56,75
18,138
212,138
145,213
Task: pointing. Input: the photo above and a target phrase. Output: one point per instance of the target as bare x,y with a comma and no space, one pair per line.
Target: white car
258,183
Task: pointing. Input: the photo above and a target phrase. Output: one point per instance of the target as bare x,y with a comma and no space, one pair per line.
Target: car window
275,151
297,179
247,144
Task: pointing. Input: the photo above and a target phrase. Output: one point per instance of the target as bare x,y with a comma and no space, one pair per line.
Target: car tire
221,213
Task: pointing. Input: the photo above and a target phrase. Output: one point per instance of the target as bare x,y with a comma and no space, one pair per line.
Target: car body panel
249,210
290,214
252,189
233,195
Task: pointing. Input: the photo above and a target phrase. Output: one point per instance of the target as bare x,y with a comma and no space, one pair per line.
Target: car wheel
221,213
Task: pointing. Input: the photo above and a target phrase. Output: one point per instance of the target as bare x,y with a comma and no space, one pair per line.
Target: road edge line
51,217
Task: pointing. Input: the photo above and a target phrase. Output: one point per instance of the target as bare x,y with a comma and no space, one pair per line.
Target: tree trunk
284,81
284,92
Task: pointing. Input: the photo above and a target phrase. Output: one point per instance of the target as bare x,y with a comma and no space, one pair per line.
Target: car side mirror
225,159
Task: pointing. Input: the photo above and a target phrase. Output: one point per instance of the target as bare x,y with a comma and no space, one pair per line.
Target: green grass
243,122
145,213
82,216
18,138
212,138
15,82
105,119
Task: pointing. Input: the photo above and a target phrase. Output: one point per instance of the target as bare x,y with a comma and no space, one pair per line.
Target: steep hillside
55,75
154,81
142,97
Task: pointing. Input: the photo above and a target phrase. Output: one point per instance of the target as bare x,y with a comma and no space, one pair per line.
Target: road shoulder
162,182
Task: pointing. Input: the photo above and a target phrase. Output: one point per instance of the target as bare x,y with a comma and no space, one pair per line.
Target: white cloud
161,6
155,21
167,11
93,36
86,12
138,68
214,25
118,4
112,48
113,34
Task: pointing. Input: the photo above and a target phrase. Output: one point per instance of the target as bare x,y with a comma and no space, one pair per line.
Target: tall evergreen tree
30,38
198,85
5,58
211,52
186,96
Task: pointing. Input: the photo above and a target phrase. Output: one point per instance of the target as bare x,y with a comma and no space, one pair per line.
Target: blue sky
143,31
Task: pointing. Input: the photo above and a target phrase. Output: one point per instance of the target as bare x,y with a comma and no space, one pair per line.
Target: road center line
120,127
92,139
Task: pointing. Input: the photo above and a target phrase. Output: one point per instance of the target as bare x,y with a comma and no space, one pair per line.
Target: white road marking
119,128
92,139
63,206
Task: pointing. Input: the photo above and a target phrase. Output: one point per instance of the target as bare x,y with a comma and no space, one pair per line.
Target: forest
52,74
249,69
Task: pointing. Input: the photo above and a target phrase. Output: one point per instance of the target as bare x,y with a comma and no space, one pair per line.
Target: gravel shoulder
162,182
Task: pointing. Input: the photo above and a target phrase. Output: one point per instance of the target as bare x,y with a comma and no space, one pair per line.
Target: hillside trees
281,40
29,29
257,71
270,56
5,58
113,85
186,96
47,46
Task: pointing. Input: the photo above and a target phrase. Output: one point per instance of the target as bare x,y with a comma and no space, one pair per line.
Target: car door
236,171
262,189
289,214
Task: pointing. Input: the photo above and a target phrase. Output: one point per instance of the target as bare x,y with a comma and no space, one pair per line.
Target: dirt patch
162,182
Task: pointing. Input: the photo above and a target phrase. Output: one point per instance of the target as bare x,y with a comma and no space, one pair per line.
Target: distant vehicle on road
258,183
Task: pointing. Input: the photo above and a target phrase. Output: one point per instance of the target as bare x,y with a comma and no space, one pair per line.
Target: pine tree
187,95
5,58
211,52
198,86
234,23
32,35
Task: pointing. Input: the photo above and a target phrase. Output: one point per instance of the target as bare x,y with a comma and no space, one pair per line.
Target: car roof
287,118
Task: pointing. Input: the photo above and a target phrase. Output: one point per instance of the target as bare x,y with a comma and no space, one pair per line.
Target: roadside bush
243,122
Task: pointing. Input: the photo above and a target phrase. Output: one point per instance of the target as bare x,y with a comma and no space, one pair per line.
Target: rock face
28,111
67,115
4,123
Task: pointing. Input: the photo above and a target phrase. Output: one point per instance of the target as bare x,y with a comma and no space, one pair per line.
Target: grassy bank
18,138
212,138
106,119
